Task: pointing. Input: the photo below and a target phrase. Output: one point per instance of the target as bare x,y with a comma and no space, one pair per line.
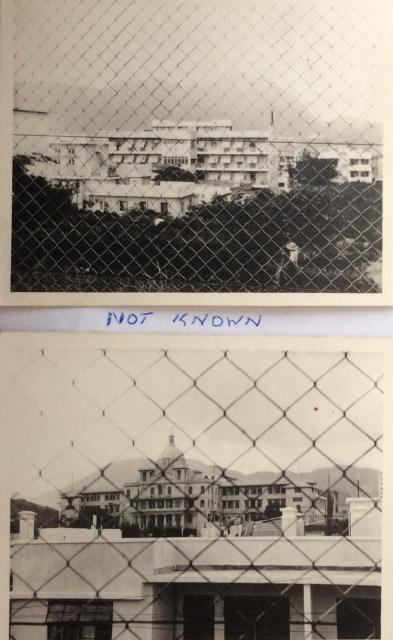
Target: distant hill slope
46,516
118,473
131,105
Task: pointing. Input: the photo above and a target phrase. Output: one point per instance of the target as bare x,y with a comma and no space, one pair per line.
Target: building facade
97,586
171,494
167,198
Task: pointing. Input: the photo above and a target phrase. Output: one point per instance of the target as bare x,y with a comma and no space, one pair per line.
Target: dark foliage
45,516
174,174
222,246
311,171
105,520
272,510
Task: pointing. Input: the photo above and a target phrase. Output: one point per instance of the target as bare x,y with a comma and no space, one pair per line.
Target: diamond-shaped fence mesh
199,494
197,146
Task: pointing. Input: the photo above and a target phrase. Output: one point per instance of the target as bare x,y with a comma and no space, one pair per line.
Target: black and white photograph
187,489
198,147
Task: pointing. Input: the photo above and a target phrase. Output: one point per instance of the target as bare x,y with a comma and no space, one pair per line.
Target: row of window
359,161
93,619
160,490
70,156
360,174
124,205
241,145
95,497
160,504
174,161
173,504
235,491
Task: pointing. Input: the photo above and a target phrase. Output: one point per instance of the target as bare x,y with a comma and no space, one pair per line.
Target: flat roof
162,190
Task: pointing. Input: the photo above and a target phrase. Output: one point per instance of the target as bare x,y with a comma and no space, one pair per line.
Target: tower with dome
169,494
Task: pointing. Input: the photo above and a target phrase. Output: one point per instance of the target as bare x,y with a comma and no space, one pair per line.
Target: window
169,491
142,205
160,489
353,161
364,161
298,490
297,499
79,620
178,474
144,475
364,174
152,491
358,618
123,205
164,207
202,490
160,504
190,491
128,493
152,504
70,155
168,504
354,174
202,503
57,156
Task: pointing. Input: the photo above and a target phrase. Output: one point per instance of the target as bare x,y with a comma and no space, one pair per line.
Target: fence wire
259,519
216,146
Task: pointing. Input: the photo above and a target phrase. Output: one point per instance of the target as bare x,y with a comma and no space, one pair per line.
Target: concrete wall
81,569
24,612
324,551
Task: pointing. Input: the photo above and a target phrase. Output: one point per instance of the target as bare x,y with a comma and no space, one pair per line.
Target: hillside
122,106
46,516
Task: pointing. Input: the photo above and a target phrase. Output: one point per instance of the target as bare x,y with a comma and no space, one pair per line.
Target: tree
313,171
174,174
272,510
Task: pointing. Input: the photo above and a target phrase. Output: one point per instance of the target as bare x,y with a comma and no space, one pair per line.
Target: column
26,526
219,621
364,517
288,521
307,611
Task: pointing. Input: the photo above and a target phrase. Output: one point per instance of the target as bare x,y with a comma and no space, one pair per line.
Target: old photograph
211,147
184,489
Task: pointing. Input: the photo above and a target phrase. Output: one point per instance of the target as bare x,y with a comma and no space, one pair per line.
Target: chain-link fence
210,146
204,494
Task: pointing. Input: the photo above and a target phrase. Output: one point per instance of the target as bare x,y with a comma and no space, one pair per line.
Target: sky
71,412
322,59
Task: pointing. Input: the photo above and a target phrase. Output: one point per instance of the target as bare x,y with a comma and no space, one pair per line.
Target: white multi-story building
212,150
353,163
236,157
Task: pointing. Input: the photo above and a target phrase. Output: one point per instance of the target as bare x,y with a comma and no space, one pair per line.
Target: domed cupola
172,457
